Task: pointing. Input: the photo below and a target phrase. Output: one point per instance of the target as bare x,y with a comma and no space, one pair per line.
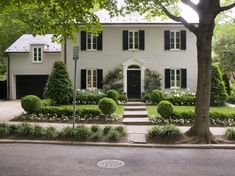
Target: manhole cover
110,163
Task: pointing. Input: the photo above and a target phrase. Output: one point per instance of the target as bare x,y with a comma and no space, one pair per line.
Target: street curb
104,144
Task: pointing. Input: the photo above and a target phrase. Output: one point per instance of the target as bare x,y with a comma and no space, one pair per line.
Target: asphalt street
59,160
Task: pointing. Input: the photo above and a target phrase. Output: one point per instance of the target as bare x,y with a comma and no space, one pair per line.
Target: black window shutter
183,40
100,79
125,40
83,40
83,79
167,78
183,78
100,41
167,40
141,40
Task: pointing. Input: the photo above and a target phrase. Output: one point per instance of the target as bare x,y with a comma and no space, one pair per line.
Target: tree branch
190,4
228,7
180,19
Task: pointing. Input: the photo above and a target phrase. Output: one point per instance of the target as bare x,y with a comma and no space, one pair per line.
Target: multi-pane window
175,78
175,39
91,41
133,40
91,79
37,54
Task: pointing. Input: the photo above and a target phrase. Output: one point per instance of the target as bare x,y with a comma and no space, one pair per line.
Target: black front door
133,84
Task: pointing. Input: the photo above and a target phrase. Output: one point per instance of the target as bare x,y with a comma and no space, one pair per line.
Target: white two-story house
131,42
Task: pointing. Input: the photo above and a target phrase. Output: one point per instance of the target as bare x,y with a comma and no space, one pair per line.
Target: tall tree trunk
200,127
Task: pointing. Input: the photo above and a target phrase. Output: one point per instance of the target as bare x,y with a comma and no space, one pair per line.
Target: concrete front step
135,108
136,121
135,114
134,100
137,138
134,103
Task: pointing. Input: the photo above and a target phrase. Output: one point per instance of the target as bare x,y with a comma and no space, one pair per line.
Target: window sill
37,62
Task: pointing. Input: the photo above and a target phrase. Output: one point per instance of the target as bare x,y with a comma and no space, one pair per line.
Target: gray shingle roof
23,43
133,18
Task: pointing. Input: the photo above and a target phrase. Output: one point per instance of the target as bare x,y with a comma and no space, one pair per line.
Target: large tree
207,11
223,46
10,30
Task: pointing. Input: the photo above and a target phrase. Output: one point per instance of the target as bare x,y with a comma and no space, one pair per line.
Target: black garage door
30,85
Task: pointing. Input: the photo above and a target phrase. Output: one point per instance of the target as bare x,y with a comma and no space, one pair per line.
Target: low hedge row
93,97
63,111
187,117
80,133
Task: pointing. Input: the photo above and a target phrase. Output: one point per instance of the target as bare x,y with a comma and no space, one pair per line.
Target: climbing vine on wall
152,80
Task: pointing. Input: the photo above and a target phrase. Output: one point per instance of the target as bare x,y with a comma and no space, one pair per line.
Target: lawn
119,111
152,110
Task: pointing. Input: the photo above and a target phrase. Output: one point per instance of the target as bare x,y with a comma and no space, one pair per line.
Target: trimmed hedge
165,109
107,106
63,111
113,94
187,118
31,103
176,97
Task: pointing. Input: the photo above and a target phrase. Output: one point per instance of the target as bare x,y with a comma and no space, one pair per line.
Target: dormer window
37,54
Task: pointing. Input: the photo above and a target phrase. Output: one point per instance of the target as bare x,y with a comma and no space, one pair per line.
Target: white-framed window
91,79
37,54
133,40
175,78
91,41
175,40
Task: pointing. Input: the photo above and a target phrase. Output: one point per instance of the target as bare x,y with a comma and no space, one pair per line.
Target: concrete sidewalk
135,133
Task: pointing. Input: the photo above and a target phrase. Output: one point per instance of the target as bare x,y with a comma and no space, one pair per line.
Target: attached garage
30,85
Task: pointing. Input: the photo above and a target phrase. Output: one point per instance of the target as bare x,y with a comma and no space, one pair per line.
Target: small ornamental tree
227,83
218,91
59,86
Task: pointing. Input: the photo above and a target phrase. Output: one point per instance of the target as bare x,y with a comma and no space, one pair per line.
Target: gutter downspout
8,76
65,50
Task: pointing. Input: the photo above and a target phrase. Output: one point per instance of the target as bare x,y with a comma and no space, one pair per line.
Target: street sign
76,52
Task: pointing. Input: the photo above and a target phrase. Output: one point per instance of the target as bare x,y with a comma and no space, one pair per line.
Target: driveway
9,109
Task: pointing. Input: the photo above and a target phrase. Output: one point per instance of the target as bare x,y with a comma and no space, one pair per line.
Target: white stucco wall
22,64
154,55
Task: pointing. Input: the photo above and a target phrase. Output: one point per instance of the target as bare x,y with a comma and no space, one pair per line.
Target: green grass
152,110
119,111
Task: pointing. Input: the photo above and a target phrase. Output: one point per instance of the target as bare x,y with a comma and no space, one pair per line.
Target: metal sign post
75,58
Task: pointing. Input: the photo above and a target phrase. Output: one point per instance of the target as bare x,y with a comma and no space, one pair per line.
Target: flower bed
63,114
184,115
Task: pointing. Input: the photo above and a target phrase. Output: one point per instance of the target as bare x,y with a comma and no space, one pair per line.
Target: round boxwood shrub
30,103
165,109
113,94
157,96
107,106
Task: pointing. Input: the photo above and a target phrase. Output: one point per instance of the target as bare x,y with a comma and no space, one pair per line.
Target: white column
142,79
125,79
